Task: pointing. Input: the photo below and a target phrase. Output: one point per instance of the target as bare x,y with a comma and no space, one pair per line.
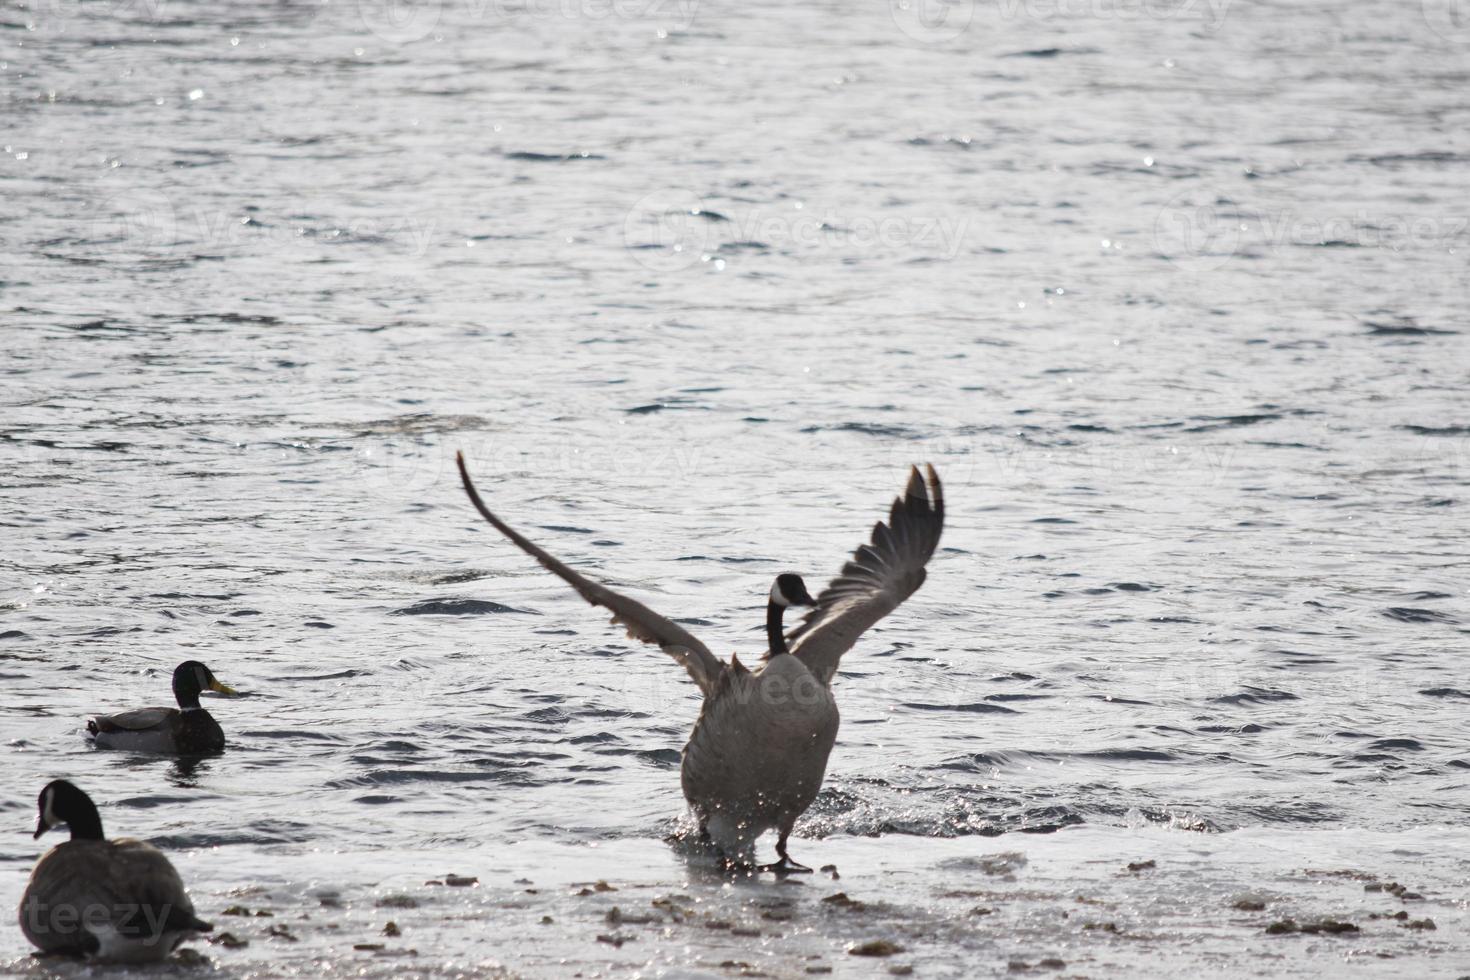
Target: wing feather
881,575
641,622
137,720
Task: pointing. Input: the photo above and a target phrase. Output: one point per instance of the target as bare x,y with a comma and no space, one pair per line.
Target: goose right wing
881,575
641,622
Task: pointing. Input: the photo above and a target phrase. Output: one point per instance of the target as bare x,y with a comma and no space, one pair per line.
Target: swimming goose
120,901
758,753
185,730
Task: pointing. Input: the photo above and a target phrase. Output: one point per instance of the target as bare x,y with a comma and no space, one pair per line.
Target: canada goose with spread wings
758,753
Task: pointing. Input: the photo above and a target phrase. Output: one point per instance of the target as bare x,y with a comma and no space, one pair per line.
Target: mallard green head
190,678
62,803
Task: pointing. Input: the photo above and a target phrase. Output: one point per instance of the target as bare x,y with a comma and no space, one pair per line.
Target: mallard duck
185,730
758,753
118,901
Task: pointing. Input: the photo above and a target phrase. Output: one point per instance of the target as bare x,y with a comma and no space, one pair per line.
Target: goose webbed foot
745,869
785,866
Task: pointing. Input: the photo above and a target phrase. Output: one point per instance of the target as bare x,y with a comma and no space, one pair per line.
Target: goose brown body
116,901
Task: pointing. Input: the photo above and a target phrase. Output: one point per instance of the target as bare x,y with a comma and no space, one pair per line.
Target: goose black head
790,590
192,677
62,803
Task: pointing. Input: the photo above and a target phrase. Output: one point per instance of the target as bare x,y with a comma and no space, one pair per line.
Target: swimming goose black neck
774,636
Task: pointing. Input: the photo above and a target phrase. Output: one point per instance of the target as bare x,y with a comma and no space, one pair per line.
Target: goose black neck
80,814
774,636
86,826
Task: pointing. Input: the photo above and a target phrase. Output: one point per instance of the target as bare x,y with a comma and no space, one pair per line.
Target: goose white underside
113,947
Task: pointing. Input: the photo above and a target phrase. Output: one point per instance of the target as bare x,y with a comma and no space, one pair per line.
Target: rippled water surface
1174,296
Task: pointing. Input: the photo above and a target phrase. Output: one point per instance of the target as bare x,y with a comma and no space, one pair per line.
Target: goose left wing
641,622
881,575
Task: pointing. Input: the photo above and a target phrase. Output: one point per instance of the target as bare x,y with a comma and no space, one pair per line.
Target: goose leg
785,866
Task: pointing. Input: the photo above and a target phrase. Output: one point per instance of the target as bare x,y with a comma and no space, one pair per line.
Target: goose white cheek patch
776,595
